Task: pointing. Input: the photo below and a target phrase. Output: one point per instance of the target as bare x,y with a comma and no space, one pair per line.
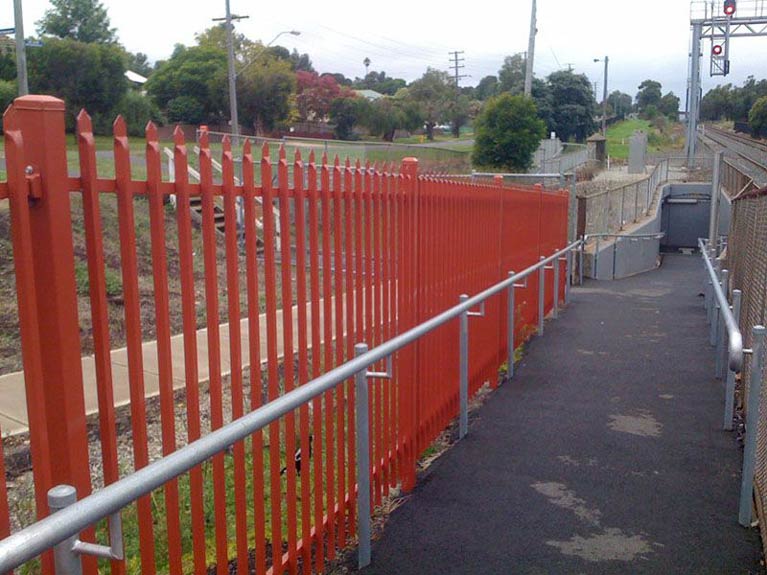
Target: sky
643,39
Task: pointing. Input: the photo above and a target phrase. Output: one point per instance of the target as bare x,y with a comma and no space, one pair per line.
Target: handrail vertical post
580,261
729,399
363,460
719,331
568,275
510,328
723,334
67,562
463,382
715,313
556,288
541,296
752,420
709,300
596,259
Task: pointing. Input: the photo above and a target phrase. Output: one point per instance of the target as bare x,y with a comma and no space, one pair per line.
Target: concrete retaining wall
683,224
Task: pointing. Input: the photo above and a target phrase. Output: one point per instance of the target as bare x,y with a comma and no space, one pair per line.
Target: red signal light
729,7
717,50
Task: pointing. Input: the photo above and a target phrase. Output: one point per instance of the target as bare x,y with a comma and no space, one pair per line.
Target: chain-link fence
747,262
608,211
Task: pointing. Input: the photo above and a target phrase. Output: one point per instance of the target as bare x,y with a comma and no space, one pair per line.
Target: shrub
508,132
757,118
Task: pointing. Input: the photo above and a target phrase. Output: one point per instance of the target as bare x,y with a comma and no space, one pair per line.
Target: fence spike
151,132
265,150
312,158
84,123
178,136
283,153
297,157
337,162
226,144
119,129
324,158
246,148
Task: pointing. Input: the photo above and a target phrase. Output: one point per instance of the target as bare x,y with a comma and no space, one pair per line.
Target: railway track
748,154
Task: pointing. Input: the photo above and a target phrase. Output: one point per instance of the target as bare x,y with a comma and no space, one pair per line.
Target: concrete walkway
604,455
13,402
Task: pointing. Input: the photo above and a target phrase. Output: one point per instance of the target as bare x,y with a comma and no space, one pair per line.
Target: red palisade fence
237,281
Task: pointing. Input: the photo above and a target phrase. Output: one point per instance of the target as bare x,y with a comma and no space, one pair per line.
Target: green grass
618,136
662,136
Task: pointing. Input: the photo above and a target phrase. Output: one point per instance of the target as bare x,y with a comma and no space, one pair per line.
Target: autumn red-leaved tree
315,94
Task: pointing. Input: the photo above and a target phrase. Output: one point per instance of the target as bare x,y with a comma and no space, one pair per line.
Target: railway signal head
730,7
717,50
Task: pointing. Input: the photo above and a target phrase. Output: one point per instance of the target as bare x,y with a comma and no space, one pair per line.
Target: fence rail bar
30,542
735,338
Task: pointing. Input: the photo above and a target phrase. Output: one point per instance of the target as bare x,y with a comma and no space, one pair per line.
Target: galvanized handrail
734,336
65,524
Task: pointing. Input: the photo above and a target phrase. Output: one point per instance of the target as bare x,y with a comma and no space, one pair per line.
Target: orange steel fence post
52,332
409,249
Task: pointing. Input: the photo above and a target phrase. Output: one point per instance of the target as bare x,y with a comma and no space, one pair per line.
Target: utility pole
233,115
531,51
21,50
457,64
606,60
604,101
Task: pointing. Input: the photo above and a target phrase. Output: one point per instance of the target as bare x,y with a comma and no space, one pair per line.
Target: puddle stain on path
643,425
606,544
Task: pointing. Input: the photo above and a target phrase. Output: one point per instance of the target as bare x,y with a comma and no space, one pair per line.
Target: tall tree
649,95
574,107
508,131
265,90
757,118
511,76
433,93
89,76
196,76
717,103
669,106
487,88
82,20
139,63
620,104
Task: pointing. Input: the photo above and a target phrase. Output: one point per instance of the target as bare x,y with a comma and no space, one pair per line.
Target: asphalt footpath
604,455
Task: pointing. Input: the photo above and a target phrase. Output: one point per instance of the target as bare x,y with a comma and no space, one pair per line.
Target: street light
606,60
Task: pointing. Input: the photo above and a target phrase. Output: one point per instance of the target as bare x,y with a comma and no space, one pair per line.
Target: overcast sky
647,39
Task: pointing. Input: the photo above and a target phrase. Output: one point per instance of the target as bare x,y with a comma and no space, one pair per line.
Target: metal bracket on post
66,555
361,404
752,419
729,398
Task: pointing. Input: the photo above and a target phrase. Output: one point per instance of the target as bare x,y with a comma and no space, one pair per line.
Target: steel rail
66,523
734,336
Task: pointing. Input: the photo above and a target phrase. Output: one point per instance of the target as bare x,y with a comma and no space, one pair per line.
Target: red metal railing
365,253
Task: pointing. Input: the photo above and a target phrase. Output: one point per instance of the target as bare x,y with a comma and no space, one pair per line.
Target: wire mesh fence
747,261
